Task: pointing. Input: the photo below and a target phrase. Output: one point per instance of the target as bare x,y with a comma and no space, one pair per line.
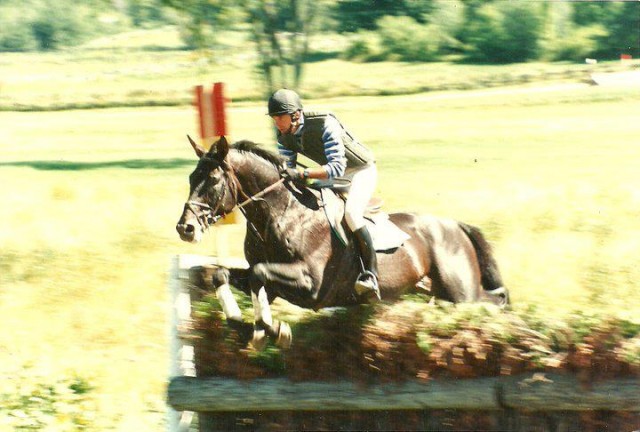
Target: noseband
205,215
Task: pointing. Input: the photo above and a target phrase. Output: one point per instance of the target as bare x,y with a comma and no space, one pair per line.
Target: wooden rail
532,392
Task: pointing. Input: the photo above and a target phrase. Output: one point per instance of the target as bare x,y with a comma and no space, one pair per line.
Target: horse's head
211,193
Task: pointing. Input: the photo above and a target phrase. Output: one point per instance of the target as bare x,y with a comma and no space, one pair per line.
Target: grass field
90,199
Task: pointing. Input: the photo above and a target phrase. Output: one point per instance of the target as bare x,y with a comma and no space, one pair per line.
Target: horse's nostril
185,229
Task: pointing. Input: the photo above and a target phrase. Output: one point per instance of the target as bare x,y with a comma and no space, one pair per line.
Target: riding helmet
284,101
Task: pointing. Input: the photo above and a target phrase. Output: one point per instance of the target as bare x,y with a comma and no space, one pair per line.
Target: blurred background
517,117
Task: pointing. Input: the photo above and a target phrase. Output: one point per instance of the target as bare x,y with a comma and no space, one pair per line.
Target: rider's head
285,107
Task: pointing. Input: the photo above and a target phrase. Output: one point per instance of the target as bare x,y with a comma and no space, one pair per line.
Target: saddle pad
385,234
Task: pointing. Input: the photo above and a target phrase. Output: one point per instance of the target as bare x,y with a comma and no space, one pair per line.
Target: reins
260,194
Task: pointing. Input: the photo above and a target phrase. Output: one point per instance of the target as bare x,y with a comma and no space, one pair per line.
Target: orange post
218,104
211,113
212,124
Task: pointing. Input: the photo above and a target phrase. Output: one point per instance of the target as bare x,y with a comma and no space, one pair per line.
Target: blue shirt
334,149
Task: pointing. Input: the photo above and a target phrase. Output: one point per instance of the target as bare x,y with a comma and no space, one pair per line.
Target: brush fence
541,392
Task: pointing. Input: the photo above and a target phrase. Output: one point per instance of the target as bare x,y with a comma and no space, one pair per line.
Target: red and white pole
211,106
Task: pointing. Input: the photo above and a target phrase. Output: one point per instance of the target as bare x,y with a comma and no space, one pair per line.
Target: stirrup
367,285
501,295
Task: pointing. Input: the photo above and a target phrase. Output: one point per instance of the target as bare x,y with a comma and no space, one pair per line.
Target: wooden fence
533,392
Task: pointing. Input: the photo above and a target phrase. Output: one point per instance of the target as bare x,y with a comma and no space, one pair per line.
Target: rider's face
283,122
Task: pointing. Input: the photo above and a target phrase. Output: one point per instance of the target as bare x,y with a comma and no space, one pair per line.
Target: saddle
385,234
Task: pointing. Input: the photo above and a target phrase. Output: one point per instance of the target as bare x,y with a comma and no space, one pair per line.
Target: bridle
208,216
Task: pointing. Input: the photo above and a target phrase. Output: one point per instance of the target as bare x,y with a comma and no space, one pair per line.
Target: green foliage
620,22
15,33
32,402
504,32
356,15
446,21
623,31
588,13
576,45
50,25
398,38
407,37
403,38
148,13
363,47
202,20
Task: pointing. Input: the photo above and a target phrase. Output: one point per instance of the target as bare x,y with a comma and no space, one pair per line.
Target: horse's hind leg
265,325
252,281
492,284
288,276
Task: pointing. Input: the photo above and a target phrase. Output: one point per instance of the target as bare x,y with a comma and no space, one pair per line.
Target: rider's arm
333,149
290,156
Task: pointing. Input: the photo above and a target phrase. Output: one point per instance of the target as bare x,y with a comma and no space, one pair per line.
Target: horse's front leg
282,276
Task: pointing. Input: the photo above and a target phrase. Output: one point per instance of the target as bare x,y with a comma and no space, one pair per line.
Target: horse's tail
489,273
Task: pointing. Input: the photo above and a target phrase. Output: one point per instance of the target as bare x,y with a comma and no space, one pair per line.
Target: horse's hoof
284,336
259,340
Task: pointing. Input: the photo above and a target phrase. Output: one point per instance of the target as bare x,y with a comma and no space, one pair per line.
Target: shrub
447,19
48,25
60,25
505,32
15,31
363,47
576,45
148,13
397,39
403,38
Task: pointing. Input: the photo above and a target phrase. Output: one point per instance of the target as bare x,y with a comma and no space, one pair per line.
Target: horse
293,254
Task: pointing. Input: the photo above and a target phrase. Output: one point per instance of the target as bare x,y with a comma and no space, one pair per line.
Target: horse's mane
251,147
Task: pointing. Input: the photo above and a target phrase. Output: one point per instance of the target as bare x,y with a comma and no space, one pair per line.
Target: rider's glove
293,175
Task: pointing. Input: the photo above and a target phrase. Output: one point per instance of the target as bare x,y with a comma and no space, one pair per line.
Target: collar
298,132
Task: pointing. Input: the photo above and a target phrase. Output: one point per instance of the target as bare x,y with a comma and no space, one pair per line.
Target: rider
323,139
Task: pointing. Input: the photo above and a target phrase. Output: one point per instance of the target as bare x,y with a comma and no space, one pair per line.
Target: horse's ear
223,148
200,151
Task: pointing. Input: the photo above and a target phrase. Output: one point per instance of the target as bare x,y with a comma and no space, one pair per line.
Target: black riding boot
367,283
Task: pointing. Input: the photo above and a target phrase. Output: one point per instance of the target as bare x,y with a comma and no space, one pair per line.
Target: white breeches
363,185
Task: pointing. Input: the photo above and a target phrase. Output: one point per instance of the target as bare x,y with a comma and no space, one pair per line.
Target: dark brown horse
293,254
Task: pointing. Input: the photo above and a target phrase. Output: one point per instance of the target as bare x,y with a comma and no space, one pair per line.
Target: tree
621,24
48,25
504,32
281,30
146,13
204,18
355,15
623,27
